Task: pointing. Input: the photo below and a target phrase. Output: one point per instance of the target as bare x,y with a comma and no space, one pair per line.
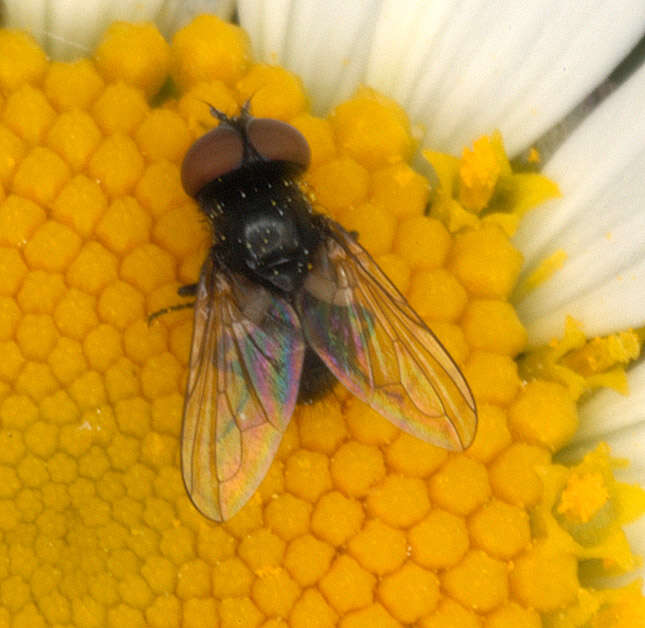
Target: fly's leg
189,290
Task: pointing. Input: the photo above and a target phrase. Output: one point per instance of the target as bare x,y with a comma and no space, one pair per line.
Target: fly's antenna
216,113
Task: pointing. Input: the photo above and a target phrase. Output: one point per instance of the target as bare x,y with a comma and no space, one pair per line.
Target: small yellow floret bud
199,612
492,377
339,183
275,592
378,547
21,59
500,529
28,114
512,615
513,477
79,204
322,425
544,579
356,467
308,559
400,189
414,457
74,136
347,585
261,549
273,91
120,304
486,262
236,612
306,474
163,135
460,486
410,593
440,540
72,85
319,136
12,271
209,49
396,269
478,581
373,129
399,501
40,176
544,413
374,616
12,149
160,574
312,605
336,518
52,247
288,516
36,335
117,164
366,425
451,614
422,242
148,267
120,108
19,219
494,326
179,231
492,435
374,224
136,54
436,295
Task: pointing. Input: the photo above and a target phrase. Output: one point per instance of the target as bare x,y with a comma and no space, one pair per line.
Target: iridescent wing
378,346
245,366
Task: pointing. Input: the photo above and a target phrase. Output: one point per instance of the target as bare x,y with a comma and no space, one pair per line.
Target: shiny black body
265,229
264,226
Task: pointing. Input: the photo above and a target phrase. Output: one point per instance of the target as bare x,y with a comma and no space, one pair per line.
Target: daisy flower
356,523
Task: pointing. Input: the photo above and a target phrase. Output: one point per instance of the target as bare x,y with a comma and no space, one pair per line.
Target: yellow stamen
584,495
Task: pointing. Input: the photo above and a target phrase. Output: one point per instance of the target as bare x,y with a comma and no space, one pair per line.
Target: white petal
30,15
460,67
478,72
608,412
325,43
599,223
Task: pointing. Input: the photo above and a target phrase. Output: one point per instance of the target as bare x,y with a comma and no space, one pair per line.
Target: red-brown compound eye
278,141
213,155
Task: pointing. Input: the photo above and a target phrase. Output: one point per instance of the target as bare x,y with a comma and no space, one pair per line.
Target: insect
280,282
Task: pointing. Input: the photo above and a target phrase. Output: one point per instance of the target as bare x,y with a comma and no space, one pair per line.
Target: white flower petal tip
599,223
326,44
617,419
68,29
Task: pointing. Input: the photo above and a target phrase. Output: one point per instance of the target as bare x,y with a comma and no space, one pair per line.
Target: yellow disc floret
209,49
136,54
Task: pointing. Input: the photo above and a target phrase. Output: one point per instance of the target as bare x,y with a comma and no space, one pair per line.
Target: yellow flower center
356,522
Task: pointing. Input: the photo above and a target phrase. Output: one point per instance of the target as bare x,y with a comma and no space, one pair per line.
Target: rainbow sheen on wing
245,367
379,348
